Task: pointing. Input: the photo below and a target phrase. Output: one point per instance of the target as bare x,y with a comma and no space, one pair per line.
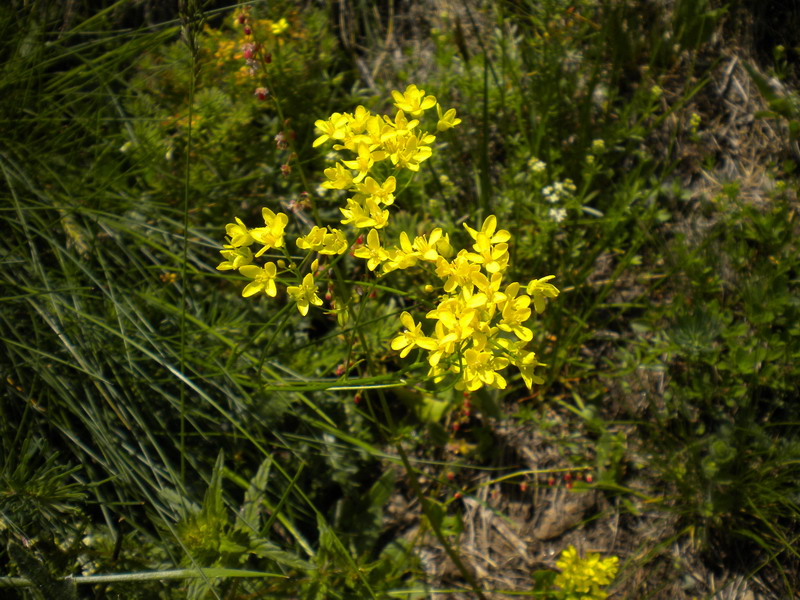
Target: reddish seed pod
567,477
357,399
569,485
268,58
247,30
457,495
450,476
242,19
589,478
551,481
285,170
456,426
523,487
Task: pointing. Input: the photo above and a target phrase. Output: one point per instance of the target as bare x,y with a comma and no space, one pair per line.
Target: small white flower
557,214
536,165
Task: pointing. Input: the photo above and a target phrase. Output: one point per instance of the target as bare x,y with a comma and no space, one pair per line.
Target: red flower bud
247,30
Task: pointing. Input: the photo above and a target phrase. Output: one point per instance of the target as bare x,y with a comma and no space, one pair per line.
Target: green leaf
249,517
266,549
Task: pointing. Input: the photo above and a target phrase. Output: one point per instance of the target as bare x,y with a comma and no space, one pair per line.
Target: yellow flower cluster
480,324
480,321
581,578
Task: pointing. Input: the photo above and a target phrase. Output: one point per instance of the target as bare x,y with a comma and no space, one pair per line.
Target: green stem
21,582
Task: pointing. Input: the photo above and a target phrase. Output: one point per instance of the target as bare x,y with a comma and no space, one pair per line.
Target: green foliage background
155,423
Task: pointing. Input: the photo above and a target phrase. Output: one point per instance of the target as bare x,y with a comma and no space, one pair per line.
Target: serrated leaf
266,549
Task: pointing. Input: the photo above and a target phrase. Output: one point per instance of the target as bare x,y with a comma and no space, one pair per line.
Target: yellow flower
383,193
411,337
491,249
526,362
540,289
403,257
272,234
235,257
490,288
368,214
481,368
323,240
447,120
413,100
581,578
489,231
400,127
370,134
339,178
263,279
305,294
279,27
456,319
372,252
238,234
359,120
332,129
362,164
457,273
427,247
407,152
515,312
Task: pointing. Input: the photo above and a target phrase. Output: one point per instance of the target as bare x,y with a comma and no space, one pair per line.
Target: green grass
164,437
